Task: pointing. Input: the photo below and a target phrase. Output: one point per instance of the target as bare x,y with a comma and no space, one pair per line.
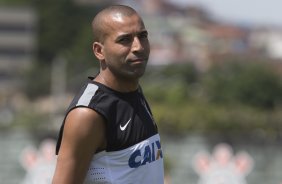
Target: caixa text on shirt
149,154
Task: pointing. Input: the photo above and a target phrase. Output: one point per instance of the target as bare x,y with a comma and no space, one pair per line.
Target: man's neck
117,84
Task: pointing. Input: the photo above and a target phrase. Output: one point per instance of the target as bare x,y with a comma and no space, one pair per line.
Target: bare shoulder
83,136
84,125
84,117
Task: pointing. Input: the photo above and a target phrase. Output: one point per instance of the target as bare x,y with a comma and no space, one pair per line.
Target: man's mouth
137,60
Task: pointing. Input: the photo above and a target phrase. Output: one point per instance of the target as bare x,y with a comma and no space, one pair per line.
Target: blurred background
215,76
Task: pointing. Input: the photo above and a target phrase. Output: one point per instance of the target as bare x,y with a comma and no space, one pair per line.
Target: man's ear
98,50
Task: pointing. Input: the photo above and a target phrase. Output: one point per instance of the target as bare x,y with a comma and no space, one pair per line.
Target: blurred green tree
231,97
252,83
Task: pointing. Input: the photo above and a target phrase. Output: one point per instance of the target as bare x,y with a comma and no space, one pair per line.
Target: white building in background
17,51
274,45
17,45
268,41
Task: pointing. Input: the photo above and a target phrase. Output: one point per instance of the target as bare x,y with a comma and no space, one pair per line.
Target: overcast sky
260,12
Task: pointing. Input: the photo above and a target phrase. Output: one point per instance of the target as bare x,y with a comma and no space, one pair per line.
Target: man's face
126,46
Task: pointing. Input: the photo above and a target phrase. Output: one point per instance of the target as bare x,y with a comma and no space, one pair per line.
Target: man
109,135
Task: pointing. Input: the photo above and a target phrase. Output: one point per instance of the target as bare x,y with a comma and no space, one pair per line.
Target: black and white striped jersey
133,153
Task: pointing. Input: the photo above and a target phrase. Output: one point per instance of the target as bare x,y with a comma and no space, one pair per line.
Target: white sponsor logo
122,128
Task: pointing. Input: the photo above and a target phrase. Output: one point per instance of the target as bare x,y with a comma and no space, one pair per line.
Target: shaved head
101,20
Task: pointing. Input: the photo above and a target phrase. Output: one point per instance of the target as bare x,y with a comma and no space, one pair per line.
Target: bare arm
84,134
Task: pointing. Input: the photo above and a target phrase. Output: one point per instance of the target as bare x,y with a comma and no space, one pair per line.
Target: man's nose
137,45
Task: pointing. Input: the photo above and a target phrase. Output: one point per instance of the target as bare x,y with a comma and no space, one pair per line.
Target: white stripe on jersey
86,97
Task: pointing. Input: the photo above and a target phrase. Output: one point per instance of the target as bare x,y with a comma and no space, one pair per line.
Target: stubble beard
130,74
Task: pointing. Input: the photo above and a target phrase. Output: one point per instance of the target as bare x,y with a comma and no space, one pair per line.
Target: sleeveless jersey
133,154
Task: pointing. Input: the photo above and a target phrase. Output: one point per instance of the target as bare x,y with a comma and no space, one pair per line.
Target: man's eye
143,36
125,40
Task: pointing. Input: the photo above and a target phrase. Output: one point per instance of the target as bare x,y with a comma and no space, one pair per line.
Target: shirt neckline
108,89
